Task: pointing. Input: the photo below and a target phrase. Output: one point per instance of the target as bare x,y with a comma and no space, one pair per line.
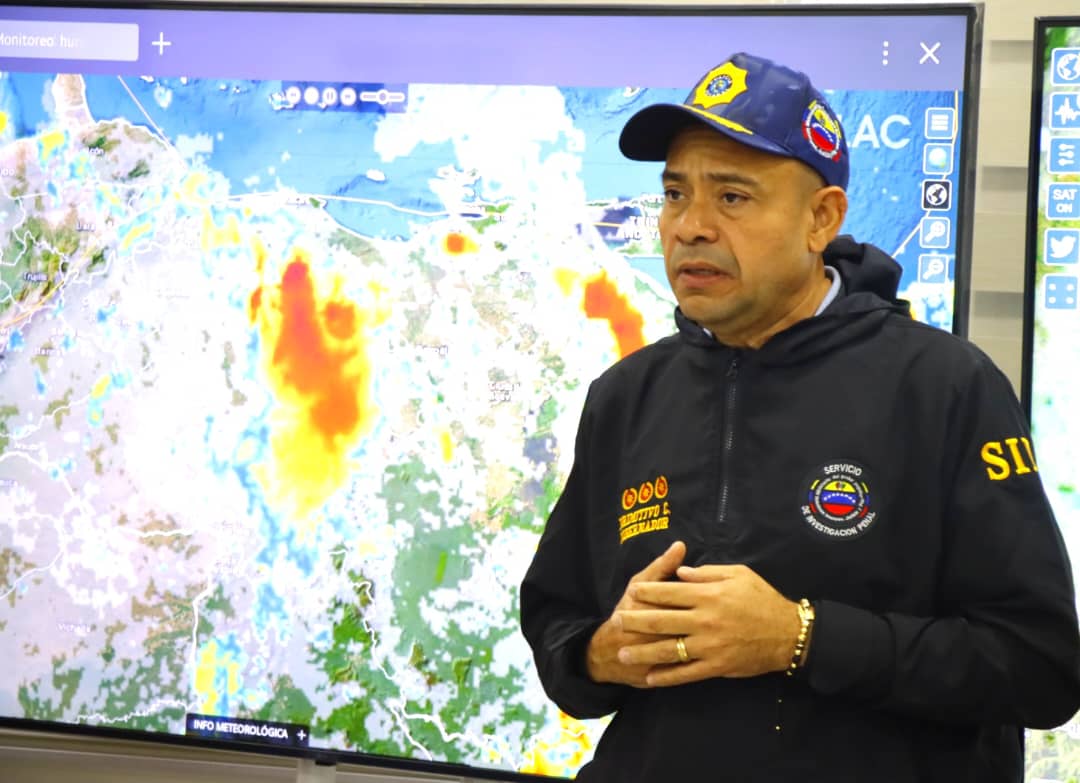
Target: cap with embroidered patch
756,102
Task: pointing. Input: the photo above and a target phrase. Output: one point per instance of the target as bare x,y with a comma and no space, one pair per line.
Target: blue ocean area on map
653,266
317,152
25,101
601,114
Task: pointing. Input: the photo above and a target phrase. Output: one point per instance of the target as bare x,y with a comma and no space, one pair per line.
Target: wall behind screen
995,323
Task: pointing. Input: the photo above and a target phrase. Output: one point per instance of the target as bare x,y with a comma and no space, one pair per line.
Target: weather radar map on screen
1053,319
294,341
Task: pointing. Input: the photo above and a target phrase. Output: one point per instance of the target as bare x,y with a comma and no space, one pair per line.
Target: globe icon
938,158
1068,67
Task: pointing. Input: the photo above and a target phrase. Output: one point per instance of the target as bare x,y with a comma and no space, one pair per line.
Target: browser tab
69,40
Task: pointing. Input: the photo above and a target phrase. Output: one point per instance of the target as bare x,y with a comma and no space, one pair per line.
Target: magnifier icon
935,230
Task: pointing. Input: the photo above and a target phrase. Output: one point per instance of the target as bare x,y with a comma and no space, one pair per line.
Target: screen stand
308,771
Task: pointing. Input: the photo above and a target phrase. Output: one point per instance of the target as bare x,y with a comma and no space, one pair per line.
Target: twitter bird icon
1062,246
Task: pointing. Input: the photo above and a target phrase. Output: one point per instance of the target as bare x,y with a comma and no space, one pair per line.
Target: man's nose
697,223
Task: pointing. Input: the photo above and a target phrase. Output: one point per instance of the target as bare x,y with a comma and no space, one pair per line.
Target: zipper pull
733,368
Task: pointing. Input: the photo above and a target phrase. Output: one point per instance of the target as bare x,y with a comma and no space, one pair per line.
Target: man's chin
703,314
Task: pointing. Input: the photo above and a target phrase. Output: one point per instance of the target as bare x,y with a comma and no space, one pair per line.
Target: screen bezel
973,14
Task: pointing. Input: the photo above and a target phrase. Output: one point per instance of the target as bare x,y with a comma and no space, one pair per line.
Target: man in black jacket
804,538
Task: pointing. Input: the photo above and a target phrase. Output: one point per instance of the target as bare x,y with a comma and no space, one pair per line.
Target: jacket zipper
728,438
728,434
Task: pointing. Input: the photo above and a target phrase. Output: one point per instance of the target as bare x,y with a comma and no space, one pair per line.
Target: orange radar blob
603,300
308,362
456,244
318,365
255,303
340,320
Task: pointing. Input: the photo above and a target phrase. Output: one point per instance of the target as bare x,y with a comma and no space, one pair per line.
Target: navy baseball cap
756,102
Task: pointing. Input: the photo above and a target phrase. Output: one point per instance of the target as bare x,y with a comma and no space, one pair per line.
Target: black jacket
878,466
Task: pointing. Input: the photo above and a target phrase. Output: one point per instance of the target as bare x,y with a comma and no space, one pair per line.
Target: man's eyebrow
719,177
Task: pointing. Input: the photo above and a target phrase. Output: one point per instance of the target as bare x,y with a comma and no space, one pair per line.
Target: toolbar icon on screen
1064,155
936,194
940,122
937,159
933,268
1061,246
1064,111
1060,292
1065,67
934,232
1063,201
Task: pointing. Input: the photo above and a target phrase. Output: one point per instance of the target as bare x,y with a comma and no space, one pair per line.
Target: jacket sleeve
1004,646
559,609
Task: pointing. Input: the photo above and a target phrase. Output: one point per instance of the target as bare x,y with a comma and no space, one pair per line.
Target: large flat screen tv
298,308
1050,381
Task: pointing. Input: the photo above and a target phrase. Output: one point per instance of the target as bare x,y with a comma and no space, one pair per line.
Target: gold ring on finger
680,648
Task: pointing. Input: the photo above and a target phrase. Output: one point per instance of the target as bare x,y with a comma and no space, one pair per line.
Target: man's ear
828,207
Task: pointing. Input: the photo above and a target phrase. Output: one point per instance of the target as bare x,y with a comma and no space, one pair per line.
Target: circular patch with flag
822,130
837,501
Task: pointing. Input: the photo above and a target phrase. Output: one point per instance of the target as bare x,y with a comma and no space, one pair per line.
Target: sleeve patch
1009,457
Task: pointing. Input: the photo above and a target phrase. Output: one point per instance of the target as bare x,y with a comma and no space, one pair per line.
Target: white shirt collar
834,290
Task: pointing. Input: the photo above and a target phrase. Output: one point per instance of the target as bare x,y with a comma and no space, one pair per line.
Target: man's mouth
701,270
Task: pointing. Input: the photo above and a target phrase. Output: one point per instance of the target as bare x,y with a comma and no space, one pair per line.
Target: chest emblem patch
643,515
838,502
